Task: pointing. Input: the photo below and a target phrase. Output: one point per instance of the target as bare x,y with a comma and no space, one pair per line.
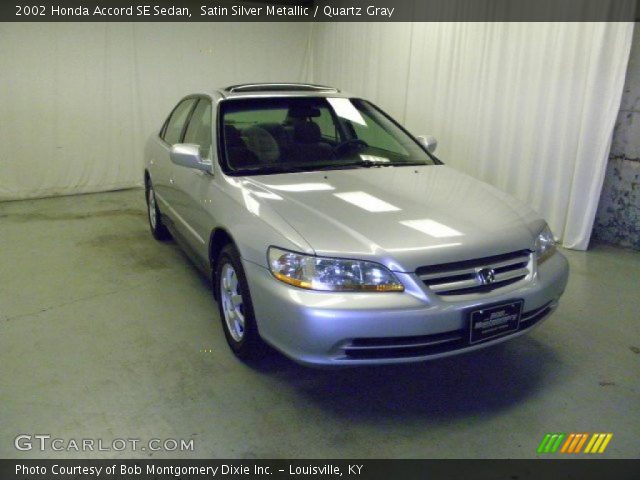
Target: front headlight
331,274
545,245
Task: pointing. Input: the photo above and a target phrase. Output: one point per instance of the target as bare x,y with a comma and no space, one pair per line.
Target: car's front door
172,133
193,186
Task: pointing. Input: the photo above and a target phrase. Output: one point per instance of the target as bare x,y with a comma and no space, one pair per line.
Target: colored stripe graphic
598,443
568,442
574,442
605,442
550,442
581,442
557,443
543,443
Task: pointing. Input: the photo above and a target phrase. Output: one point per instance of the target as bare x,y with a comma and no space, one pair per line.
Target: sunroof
279,87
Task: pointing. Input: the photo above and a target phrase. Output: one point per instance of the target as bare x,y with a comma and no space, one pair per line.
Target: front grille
423,345
462,278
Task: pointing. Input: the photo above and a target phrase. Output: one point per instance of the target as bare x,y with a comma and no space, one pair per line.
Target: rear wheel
158,229
235,306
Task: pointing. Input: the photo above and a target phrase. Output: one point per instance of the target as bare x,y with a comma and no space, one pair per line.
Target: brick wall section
618,217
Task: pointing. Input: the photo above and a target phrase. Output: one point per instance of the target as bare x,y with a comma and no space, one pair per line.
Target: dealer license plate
495,321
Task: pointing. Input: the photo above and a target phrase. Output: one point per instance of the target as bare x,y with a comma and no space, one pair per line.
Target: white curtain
78,100
528,107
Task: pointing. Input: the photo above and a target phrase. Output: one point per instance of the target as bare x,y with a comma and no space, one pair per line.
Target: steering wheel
347,143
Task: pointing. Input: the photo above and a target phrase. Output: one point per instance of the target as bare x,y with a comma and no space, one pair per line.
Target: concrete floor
105,333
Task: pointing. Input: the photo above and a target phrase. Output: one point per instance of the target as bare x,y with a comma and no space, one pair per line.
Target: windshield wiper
275,168
407,164
373,163
283,168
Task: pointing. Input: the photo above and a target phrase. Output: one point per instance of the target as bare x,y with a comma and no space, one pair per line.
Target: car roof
279,90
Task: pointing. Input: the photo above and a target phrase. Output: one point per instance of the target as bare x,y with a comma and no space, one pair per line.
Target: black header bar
318,10
583,469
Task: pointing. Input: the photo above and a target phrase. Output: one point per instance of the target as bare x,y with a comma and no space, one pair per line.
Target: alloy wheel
231,299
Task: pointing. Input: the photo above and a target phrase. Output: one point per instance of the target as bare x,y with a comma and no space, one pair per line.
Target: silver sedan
336,237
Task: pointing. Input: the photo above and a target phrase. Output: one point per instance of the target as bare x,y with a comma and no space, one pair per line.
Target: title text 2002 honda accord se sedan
335,236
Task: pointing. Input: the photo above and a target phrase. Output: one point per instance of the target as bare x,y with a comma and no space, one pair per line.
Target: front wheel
235,306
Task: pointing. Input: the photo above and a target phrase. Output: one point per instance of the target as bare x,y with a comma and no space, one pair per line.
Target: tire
158,229
235,306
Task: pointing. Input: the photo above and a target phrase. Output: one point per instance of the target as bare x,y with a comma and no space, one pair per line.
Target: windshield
287,134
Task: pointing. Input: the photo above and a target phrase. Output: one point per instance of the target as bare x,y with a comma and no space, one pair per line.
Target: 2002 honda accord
338,238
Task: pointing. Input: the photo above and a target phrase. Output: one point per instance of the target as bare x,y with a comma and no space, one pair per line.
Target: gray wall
618,217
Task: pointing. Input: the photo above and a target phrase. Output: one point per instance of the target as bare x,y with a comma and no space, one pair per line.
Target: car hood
403,217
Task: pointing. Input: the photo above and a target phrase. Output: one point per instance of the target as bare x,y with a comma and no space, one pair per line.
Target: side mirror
188,155
428,142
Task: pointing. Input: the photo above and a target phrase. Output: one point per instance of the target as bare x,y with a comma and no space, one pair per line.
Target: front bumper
334,329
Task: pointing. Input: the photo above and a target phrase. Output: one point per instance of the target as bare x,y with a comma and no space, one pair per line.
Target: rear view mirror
188,155
428,142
